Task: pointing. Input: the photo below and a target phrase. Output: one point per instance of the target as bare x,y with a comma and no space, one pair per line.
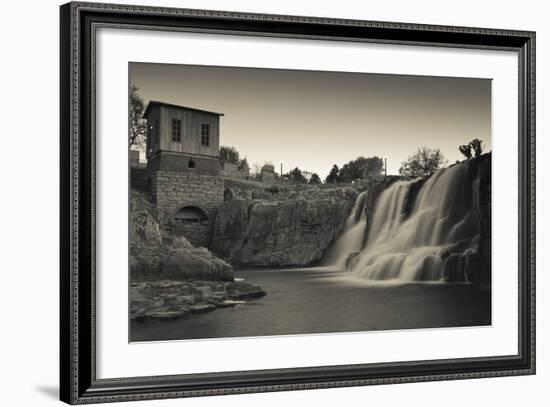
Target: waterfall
431,238
351,239
419,230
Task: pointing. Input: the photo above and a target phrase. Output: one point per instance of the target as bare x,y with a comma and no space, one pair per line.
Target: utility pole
281,172
385,166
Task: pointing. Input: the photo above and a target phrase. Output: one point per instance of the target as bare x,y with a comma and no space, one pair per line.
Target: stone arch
191,214
193,223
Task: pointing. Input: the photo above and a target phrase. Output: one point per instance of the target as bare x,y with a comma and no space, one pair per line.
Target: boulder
241,291
144,228
179,261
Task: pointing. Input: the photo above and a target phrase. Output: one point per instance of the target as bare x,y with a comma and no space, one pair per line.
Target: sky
315,119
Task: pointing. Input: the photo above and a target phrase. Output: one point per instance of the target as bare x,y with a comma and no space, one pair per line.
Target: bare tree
138,125
256,168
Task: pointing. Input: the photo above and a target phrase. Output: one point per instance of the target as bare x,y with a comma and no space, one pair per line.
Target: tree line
361,168
424,162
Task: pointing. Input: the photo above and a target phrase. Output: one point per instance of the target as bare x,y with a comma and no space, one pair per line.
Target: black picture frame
78,382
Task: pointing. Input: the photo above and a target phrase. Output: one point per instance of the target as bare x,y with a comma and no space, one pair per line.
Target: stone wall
180,162
197,233
171,191
232,171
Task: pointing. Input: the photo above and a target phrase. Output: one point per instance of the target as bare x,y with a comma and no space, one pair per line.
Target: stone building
268,173
183,167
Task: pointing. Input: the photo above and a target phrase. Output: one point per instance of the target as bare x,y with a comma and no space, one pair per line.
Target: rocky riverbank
169,299
172,279
156,254
177,259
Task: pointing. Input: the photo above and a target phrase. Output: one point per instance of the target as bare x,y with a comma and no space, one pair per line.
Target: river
320,300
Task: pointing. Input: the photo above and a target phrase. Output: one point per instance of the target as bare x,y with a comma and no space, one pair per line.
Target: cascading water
426,234
352,237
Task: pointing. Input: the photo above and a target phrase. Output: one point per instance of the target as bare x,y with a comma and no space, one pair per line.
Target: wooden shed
191,136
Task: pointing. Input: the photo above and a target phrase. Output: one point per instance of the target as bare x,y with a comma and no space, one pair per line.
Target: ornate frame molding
79,22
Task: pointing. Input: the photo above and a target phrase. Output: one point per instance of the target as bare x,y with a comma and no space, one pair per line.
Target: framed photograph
255,203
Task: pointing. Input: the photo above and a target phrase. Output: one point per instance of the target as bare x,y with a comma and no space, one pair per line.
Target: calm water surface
300,301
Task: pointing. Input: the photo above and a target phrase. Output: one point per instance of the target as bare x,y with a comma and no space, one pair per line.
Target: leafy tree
466,150
229,155
361,168
374,167
296,176
315,179
138,125
243,165
333,176
423,163
477,146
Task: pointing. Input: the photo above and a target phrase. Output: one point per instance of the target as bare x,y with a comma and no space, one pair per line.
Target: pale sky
314,119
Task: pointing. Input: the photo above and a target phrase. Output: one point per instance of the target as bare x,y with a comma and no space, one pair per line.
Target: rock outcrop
293,231
169,299
480,173
156,255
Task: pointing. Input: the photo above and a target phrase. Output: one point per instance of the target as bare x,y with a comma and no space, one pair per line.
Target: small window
205,134
176,130
191,164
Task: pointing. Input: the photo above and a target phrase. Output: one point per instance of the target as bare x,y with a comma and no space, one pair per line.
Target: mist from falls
426,233
352,237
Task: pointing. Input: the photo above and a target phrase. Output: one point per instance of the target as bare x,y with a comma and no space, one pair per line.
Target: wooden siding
191,122
152,147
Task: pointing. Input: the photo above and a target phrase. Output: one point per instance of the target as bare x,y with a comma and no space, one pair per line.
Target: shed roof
154,102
